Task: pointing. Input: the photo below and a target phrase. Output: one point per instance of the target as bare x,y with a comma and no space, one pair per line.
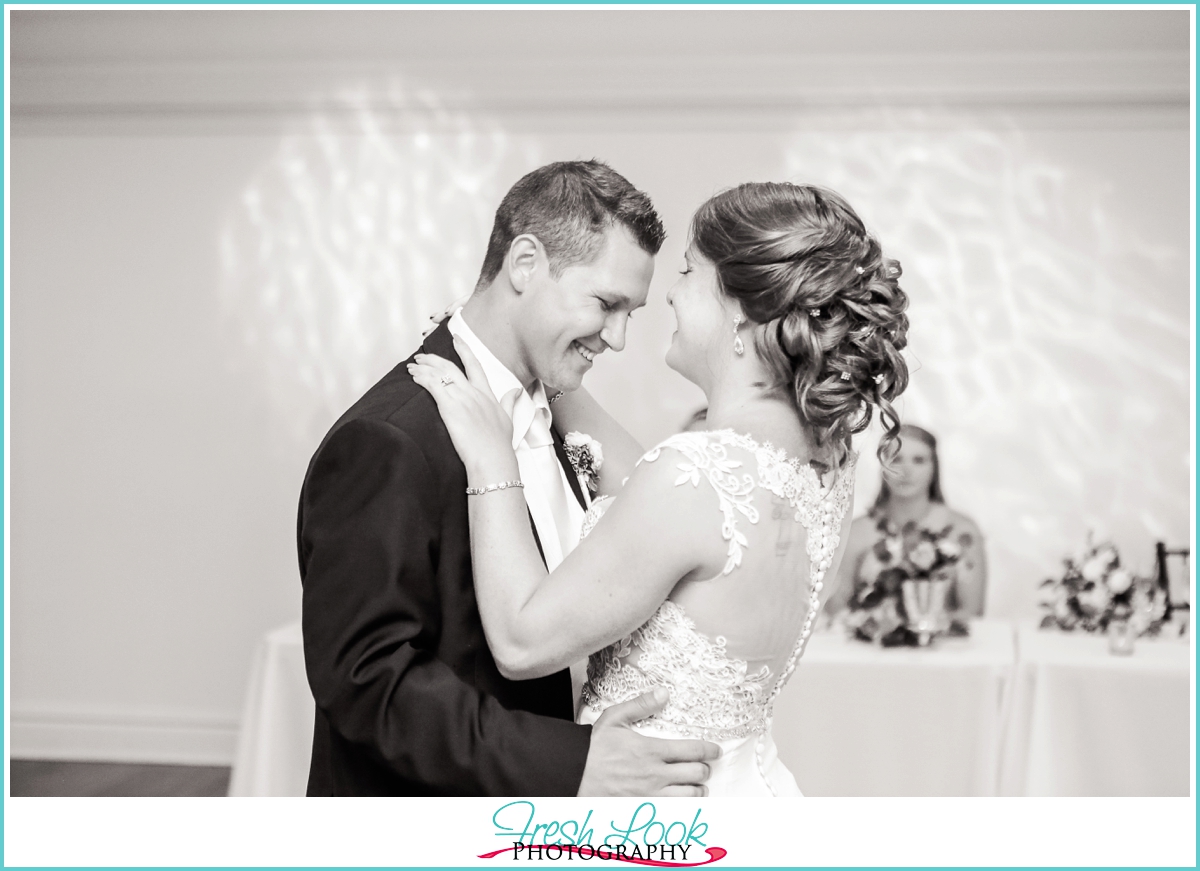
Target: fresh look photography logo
644,838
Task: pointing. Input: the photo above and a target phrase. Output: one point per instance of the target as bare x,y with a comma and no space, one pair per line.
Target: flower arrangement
1096,590
586,457
877,611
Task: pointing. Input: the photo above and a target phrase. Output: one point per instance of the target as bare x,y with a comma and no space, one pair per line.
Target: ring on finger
447,379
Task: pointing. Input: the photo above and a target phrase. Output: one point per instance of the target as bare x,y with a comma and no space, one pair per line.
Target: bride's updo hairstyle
827,305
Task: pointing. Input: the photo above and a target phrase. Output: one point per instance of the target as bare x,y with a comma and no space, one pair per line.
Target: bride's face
701,320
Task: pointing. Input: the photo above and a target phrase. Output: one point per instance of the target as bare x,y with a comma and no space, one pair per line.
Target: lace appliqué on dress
712,695
711,459
594,513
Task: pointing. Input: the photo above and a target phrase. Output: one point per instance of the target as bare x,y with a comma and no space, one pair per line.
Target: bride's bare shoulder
682,473
668,503
687,443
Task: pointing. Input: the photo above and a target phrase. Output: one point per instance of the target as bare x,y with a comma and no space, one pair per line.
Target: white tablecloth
275,743
860,720
1086,722
1052,715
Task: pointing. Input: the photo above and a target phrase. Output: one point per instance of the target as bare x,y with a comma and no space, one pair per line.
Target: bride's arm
578,411
651,537
536,623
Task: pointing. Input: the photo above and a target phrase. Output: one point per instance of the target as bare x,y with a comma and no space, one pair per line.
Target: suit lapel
441,342
572,479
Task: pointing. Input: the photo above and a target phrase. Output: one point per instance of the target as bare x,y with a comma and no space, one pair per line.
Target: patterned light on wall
1049,346
364,222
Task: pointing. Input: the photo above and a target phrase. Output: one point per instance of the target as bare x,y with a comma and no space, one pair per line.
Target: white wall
226,225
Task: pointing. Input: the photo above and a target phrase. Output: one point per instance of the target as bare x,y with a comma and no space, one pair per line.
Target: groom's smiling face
566,322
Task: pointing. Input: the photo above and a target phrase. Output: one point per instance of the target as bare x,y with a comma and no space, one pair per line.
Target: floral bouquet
879,609
1096,590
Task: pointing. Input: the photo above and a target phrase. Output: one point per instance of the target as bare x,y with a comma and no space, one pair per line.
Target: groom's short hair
568,206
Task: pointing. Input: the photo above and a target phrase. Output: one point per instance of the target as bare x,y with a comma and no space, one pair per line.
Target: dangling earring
738,347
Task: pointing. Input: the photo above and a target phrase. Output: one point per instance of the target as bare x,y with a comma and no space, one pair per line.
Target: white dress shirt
556,512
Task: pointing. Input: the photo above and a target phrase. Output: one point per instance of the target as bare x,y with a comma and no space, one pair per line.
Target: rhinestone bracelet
503,485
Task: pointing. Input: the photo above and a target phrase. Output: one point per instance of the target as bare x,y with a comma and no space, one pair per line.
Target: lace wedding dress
725,647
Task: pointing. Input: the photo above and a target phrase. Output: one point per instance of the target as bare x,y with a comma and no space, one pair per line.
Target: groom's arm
370,535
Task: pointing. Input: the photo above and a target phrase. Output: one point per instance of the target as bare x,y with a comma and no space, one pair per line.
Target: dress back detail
716,695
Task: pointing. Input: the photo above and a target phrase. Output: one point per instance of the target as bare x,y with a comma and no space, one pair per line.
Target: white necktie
541,461
542,475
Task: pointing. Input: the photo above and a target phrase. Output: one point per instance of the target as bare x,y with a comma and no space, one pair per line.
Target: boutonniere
586,458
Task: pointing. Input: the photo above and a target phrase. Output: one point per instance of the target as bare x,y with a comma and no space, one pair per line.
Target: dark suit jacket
409,699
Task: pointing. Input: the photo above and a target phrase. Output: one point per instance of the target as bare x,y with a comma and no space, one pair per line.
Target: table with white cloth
1011,710
854,720
275,743
1087,722
857,719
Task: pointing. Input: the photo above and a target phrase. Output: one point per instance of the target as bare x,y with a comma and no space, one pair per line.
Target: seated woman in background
910,495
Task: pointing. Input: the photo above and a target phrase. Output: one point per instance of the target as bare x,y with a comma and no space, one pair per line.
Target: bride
705,573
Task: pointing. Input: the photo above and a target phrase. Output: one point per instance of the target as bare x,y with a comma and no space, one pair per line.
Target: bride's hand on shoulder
436,319
478,426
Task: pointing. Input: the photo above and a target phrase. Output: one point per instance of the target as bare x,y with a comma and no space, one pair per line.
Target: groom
409,700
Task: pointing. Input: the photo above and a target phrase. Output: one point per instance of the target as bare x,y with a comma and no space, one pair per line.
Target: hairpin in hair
879,378
814,312
892,270
845,376
859,270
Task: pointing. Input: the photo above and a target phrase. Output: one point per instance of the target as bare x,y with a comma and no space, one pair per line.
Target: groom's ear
524,256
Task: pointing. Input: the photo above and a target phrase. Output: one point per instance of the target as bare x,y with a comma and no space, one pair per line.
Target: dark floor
45,777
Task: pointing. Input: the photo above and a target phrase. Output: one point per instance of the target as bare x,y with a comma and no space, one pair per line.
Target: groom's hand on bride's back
622,762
